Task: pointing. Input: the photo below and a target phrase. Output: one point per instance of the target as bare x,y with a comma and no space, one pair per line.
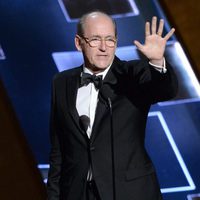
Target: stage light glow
43,166
184,61
2,54
131,9
191,185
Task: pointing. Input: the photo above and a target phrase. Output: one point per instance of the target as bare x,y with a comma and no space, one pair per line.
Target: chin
99,68
103,65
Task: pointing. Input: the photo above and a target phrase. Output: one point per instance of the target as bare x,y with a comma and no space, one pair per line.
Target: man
98,150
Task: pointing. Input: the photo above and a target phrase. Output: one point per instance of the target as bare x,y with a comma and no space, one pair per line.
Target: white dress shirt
87,98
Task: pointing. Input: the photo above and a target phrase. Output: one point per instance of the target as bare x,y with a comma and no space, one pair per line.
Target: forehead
99,24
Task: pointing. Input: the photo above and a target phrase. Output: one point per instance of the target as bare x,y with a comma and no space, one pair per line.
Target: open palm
154,45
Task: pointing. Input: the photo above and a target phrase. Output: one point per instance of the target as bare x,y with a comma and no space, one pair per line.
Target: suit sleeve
53,190
152,85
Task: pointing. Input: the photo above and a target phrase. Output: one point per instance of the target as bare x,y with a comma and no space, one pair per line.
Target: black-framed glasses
96,41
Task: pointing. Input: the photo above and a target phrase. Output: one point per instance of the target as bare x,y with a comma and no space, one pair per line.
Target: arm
163,82
150,84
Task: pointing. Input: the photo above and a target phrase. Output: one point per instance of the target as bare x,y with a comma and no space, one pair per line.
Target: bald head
93,15
96,39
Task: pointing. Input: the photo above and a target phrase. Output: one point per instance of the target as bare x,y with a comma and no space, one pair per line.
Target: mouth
102,56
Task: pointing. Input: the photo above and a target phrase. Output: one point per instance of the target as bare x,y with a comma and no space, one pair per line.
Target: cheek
90,56
113,51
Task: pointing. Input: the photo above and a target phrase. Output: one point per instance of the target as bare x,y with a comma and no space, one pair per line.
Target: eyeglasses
96,41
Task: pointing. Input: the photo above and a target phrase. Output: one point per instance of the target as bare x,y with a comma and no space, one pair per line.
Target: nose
102,45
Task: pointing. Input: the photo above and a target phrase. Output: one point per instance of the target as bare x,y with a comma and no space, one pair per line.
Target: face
97,27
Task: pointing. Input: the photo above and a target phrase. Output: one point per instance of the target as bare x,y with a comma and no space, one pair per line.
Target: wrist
159,62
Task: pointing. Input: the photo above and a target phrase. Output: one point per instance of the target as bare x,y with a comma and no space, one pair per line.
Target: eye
95,39
110,39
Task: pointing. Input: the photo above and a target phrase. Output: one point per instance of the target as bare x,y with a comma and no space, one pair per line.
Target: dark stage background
37,41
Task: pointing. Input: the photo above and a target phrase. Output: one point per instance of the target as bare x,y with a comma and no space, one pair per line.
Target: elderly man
99,114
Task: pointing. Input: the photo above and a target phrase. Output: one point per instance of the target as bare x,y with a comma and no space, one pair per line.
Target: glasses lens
110,42
95,42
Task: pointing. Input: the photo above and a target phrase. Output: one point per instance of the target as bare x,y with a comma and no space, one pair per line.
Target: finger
160,28
169,34
153,25
147,29
138,44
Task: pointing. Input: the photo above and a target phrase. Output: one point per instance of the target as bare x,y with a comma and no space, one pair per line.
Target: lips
102,55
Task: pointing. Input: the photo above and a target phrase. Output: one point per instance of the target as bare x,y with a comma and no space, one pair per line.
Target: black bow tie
89,78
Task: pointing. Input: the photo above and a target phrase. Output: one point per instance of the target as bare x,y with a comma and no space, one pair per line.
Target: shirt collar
103,73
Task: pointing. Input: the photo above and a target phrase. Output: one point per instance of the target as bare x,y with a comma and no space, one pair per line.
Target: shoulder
67,74
131,66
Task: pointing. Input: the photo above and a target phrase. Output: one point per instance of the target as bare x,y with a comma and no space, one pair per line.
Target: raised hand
154,45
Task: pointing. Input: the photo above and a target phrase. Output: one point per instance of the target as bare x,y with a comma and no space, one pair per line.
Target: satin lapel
72,88
102,109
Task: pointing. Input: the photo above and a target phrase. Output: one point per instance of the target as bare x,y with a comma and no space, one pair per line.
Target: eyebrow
111,36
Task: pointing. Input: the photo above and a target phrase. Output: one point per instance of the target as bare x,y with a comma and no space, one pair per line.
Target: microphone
84,122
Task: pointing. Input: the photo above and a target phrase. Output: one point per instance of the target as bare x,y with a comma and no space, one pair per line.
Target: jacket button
92,148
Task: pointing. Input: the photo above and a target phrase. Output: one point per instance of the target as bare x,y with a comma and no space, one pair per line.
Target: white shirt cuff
161,69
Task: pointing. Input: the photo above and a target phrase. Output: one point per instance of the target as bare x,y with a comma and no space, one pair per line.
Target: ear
77,41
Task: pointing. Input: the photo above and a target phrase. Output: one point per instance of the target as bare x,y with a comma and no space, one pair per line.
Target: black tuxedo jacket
132,87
